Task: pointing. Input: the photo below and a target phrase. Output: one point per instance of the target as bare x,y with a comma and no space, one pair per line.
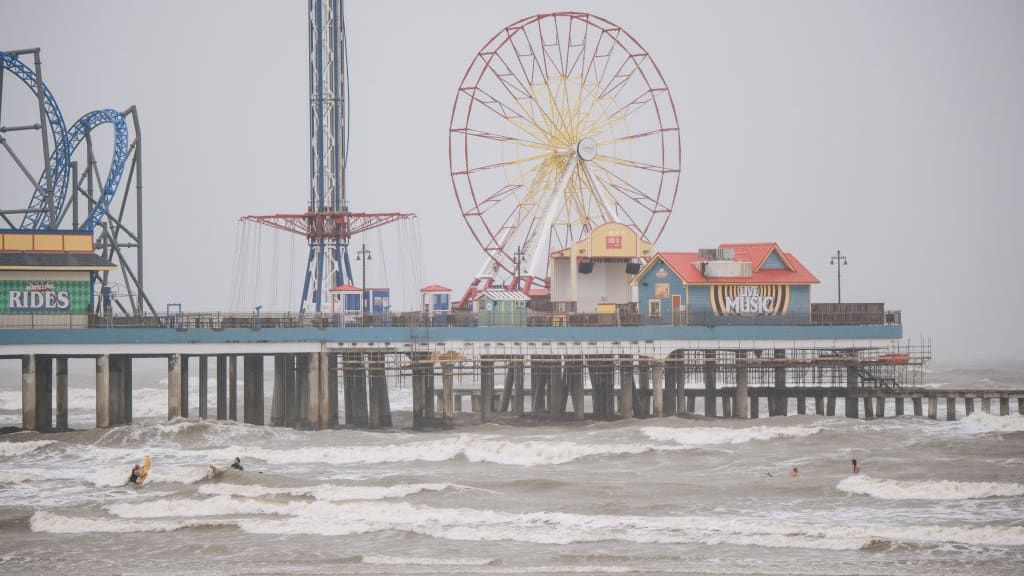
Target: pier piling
62,393
203,387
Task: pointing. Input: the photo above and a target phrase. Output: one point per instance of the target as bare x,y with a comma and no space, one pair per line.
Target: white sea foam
16,477
927,490
325,492
9,449
338,519
425,561
704,436
51,522
982,423
473,448
200,508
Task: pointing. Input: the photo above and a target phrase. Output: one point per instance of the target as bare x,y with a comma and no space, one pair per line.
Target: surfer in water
134,478
856,467
237,464
794,472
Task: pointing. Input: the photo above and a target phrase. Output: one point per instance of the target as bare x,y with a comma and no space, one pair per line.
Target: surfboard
216,472
144,473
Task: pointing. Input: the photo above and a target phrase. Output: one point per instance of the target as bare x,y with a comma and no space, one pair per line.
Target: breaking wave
927,490
472,448
325,492
462,524
9,449
704,436
982,423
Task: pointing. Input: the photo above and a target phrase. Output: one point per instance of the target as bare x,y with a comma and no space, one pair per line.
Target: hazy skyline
891,131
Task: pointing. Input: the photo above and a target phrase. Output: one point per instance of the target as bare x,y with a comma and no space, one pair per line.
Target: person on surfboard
237,465
140,472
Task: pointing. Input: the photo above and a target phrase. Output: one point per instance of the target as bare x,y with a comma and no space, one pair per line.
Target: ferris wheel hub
586,149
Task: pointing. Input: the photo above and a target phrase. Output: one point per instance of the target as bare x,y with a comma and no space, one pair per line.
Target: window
654,308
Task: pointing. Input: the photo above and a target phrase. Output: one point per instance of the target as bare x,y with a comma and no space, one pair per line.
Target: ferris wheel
562,122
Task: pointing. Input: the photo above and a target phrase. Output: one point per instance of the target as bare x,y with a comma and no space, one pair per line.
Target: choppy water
673,496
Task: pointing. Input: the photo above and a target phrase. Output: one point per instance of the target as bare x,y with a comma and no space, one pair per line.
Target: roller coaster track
54,184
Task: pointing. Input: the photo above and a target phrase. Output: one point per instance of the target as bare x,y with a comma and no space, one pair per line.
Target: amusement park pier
564,158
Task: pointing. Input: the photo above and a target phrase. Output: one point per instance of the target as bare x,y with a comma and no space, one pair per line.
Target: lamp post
363,255
519,257
839,261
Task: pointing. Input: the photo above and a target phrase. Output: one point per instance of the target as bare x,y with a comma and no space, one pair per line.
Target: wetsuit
237,466
134,479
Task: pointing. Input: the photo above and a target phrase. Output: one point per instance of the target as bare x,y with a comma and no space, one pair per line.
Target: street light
363,255
839,261
519,256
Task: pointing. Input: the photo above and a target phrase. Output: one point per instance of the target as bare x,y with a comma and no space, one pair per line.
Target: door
677,304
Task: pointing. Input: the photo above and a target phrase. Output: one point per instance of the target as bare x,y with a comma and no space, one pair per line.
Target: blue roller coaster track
65,143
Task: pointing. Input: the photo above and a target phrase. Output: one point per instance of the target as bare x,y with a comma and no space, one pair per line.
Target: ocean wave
324,492
112,477
205,507
425,561
704,436
472,448
928,489
54,523
9,449
462,524
16,477
982,423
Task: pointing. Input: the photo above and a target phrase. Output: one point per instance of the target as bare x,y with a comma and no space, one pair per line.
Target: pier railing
819,315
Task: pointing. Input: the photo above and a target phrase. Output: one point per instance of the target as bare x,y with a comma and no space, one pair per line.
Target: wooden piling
28,393
222,386
658,396
203,387
852,379
44,393
969,406
880,407
419,390
781,397
933,407
353,369
519,400
819,405
380,404
539,374
184,385
574,378
869,410
670,397
486,389
755,407
642,398
233,388
801,405
252,389
899,405
103,391
950,408
62,393
742,398
279,396
174,381
986,405
710,383
916,401
448,384
831,409
1004,406
626,385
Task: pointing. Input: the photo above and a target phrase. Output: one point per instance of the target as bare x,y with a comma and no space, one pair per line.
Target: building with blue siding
755,283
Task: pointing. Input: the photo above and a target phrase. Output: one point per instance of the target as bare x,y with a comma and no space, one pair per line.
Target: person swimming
237,464
794,472
136,472
856,467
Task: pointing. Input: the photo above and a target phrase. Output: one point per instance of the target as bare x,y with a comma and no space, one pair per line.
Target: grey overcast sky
890,130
